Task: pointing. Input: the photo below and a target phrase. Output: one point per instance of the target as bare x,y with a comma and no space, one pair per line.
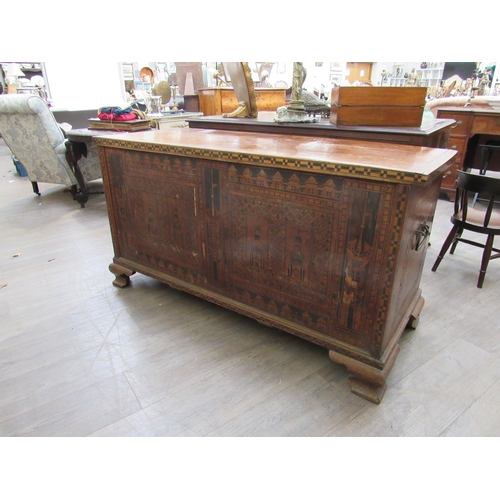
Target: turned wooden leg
455,241
122,275
367,381
81,195
488,247
444,248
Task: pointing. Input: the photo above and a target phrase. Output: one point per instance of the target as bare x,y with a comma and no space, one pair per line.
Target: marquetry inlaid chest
322,238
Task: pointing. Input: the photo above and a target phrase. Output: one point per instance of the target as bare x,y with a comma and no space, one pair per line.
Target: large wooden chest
378,106
323,238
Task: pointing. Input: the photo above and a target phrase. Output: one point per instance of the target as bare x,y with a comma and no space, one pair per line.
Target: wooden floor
79,357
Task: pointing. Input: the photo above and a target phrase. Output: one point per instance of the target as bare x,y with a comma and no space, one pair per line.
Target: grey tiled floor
79,357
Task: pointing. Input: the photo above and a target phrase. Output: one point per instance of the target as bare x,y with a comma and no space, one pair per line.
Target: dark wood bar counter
431,133
322,238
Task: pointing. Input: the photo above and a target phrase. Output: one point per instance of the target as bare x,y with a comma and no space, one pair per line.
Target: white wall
317,75
90,86
99,84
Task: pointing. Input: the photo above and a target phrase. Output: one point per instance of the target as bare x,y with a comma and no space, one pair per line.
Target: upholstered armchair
31,132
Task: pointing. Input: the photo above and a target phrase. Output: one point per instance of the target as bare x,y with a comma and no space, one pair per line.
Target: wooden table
474,126
324,239
431,133
84,156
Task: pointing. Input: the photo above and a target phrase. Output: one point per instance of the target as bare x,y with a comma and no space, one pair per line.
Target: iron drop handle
422,234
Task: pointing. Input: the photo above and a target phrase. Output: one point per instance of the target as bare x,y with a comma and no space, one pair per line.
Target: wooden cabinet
221,100
323,238
457,142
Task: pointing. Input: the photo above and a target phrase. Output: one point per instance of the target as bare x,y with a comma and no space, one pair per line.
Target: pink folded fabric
125,117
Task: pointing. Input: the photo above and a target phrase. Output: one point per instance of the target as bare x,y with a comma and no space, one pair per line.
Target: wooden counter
322,238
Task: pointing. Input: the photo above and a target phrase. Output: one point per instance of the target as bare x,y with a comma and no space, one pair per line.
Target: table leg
73,154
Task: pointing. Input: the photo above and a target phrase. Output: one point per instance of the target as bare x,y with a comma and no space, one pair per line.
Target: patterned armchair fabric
31,132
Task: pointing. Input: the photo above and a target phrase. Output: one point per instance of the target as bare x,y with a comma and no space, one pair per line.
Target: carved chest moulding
322,238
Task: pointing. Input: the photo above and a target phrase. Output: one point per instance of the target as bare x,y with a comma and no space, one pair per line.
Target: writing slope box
378,106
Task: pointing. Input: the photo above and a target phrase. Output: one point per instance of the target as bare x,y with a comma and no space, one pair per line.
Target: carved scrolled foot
367,381
122,275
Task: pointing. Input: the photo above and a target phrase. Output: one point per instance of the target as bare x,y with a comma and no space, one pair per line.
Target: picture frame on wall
128,71
335,79
335,66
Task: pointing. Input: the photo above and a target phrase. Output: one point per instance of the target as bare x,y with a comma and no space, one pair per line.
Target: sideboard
473,127
431,133
221,100
324,238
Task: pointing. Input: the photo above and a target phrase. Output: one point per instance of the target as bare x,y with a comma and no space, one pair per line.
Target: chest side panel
155,197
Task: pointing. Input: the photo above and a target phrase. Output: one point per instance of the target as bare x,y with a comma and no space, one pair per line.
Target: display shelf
427,77
431,75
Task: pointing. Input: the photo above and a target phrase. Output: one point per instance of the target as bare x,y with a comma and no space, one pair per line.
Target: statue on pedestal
296,111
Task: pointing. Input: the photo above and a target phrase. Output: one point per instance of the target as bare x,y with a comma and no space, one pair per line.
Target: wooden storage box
378,106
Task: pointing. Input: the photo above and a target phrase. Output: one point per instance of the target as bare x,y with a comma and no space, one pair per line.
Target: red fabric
125,117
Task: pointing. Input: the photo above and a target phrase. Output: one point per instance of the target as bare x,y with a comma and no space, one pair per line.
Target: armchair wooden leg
35,188
485,260
455,241
81,195
444,248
